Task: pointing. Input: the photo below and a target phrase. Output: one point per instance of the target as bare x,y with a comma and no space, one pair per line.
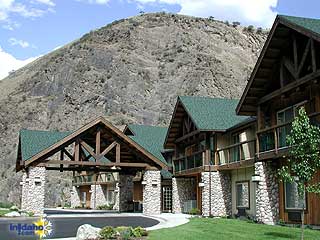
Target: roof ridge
220,98
145,125
284,15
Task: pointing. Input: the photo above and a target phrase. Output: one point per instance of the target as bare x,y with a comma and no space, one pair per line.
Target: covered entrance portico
97,149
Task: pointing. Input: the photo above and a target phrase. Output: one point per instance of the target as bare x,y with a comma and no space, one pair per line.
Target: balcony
236,154
90,179
272,141
184,163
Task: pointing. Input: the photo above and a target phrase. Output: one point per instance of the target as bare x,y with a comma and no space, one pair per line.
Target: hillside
130,71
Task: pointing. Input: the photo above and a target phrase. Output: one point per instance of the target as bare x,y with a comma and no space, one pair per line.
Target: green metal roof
34,141
310,24
151,138
212,113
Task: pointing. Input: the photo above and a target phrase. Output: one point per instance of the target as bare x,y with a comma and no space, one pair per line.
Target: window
292,199
242,195
285,116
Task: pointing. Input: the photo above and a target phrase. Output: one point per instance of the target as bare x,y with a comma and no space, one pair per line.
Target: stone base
183,189
220,194
125,192
75,197
33,190
267,194
152,192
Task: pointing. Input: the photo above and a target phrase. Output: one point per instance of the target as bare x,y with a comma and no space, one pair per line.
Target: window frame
293,209
249,196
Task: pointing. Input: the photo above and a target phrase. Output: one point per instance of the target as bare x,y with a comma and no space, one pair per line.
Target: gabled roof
257,84
35,153
217,114
35,141
310,24
206,113
151,138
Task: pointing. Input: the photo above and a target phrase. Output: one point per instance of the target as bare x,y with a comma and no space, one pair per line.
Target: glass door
167,199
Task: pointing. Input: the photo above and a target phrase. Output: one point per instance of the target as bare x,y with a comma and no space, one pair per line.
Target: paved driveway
67,226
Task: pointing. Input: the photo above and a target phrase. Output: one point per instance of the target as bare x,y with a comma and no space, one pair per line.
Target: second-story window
286,116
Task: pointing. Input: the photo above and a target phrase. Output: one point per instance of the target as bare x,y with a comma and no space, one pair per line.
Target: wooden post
257,145
275,139
118,153
217,159
77,151
98,142
61,158
295,52
313,56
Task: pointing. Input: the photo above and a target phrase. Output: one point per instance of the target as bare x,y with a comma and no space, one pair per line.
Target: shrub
106,207
107,233
124,233
194,211
250,28
139,232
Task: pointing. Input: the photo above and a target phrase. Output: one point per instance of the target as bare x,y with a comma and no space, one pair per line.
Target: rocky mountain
128,71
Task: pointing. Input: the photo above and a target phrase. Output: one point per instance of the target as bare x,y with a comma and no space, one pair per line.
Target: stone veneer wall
116,205
125,192
221,203
33,190
183,189
267,194
98,196
75,197
152,192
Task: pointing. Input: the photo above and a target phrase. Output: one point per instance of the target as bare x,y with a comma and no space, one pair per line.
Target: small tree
304,158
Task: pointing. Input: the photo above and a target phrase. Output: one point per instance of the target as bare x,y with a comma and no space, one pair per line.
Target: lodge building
219,156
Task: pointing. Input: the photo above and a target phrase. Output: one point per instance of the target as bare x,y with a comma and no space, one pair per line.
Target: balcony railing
236,152
188,162
275,138
94,178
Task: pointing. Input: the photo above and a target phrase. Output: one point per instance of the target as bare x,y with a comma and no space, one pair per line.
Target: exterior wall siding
239,175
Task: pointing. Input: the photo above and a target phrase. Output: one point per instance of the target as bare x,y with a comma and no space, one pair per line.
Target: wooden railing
236,152
275,138
94,178
189,162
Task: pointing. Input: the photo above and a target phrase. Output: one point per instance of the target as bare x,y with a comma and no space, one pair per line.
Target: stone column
152,192
116,206
220,194
75,197
267,194
33,190
98,196
125,192
183,189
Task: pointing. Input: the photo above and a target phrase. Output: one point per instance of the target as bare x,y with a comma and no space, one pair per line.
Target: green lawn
3,212
229,229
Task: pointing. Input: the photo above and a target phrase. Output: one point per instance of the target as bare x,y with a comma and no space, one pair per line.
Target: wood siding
312,213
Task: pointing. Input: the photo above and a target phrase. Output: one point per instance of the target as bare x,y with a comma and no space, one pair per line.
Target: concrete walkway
166,220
